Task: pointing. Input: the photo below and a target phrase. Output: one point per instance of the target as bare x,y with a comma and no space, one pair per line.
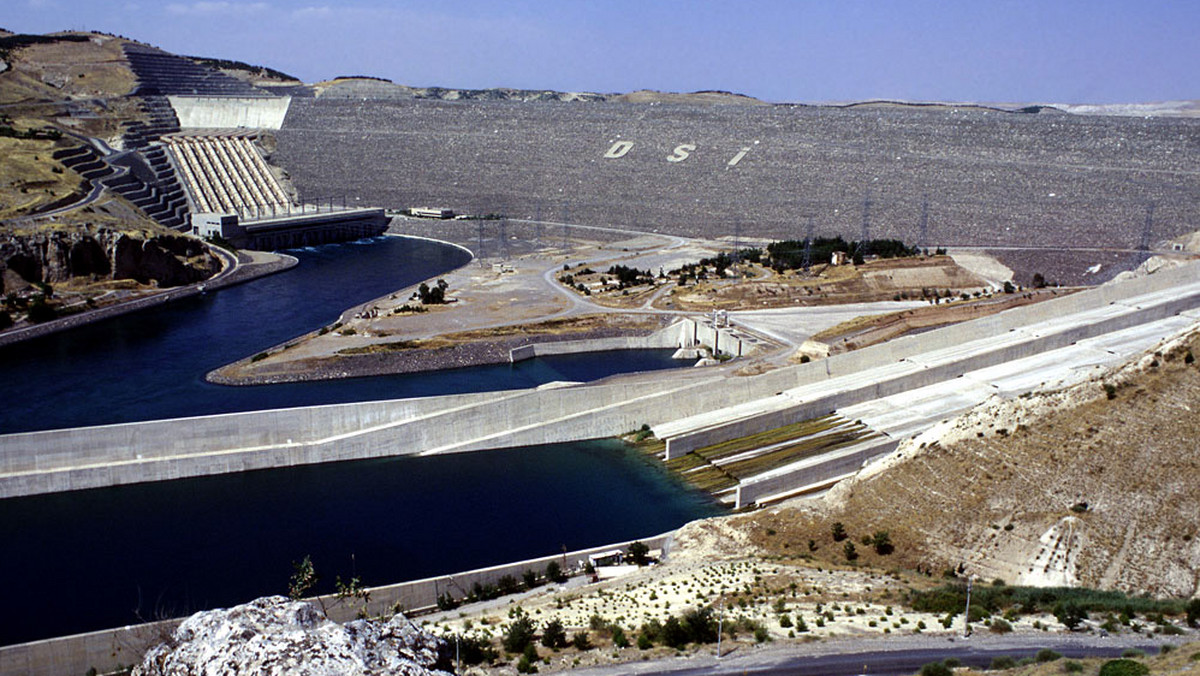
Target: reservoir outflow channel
89,560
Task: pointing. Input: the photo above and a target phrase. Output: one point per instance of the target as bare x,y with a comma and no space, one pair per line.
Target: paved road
879,657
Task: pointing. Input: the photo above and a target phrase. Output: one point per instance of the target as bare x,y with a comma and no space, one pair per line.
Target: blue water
150,365
89,560
108,557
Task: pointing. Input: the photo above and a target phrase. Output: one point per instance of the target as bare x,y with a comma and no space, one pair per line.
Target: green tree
526,665
581,640
519,633
638,552
1193,613
554,572
674,634
850,551
1070,614
936,669
618,637
882,542
530,578
838,531
553,634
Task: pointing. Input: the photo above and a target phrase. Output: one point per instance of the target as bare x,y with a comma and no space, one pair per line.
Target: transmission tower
566,219
806,262
480,242
537,227
1147,229
866,224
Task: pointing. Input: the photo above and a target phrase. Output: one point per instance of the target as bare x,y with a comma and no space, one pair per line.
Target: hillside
1093,486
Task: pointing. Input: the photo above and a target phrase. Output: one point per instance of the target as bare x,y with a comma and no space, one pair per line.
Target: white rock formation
274,635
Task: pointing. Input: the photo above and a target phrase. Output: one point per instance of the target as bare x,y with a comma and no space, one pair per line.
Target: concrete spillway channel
1007,353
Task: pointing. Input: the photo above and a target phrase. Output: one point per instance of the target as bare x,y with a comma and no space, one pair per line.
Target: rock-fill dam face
935,176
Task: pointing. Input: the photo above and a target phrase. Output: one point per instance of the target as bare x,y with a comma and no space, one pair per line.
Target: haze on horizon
1019,51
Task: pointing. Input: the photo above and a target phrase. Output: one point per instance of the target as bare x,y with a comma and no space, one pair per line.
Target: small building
838,258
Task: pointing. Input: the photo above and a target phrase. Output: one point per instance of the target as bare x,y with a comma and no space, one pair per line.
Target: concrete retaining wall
212,112
828,466
665,338
107,649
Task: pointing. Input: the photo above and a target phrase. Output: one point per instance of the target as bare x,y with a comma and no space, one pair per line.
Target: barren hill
1094,485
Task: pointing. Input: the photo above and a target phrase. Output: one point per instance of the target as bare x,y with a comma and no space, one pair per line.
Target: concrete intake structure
688,409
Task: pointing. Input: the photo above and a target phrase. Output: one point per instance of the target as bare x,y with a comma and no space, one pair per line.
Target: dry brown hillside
1097,485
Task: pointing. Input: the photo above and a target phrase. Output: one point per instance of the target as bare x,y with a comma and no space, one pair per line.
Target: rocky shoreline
478,353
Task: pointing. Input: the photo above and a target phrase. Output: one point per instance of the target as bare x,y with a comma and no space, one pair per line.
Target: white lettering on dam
680,153
619,149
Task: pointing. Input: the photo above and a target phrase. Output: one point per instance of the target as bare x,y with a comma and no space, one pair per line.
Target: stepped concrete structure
689,409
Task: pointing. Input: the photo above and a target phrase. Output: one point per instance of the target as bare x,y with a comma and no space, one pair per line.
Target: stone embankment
414,360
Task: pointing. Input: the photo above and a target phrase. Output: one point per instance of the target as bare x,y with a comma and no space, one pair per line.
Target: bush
553,634
1072,667
1123,667
637,553
1002,662
618,637
761,635
999,626
838,531
1070,615
554,572
850,551
644,642
581,641
1133,653
475,650
674,634
530,578
1047,655
519,634
882,542
936,669
1193,613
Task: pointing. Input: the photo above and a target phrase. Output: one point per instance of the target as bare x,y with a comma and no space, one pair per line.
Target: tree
581,641
554,572
882,542
838,530
553,634
1070,614
638,552
674,634
850,551
303,579
1039,282
1124,667
1193,613
519,634
618,637
525,665
530,578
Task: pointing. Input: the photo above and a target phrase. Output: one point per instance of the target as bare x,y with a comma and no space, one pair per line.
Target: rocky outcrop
274,635
165,260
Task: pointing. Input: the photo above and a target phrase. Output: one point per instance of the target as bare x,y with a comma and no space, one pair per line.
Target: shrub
554,572
882,542
519,634
1002,662
638,552
1047,655
553,634
761,635
581,641
475,650
1072,667
850,551
838,531
1110,391
999,626
1193,613
530,578
618,637
674,634
1133,653
644,642
936,669
785,621
1123,667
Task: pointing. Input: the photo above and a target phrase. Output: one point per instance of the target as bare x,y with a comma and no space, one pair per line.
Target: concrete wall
106,649
212,112
664,338
811,472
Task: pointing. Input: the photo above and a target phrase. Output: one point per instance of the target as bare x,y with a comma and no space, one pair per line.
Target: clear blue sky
1067,51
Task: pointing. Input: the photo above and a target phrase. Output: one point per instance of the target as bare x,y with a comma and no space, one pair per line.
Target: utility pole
720,627
480,221
806,262
967,613
866,224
